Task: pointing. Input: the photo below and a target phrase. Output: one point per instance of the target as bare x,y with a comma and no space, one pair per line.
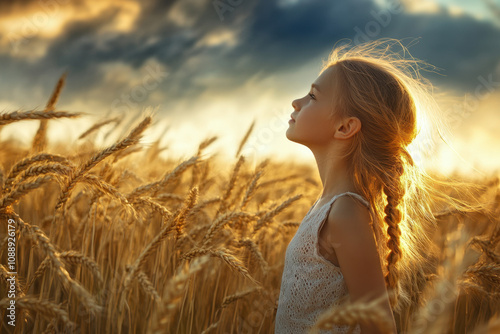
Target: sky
212,67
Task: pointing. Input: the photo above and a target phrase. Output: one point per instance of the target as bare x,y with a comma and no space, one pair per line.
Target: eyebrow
316,87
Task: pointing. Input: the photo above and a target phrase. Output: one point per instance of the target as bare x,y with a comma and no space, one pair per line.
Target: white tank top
310,284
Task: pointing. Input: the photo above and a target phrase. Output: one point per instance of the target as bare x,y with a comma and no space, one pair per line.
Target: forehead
326,79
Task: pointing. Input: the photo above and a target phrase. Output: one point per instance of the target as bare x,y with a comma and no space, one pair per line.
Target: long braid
394,192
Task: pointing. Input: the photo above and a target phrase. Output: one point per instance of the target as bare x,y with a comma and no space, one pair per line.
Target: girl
359,119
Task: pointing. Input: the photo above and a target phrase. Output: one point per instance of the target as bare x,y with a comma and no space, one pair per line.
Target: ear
347,128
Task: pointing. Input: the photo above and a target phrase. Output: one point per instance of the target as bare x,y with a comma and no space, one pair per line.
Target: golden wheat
40,140
43,307
15,116
109,265
97,126
352,314
39,236
131,139
229,259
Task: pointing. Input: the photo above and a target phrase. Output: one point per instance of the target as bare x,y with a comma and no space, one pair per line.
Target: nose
295,105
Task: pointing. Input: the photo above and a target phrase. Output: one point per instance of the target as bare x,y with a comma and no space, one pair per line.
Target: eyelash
312,96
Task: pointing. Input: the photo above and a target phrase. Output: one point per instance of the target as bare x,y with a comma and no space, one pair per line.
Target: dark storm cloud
461,46
272,38
286,37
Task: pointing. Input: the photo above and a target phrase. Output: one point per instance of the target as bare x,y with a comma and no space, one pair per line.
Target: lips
293,119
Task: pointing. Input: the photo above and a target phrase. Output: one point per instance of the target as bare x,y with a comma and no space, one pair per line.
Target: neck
333,172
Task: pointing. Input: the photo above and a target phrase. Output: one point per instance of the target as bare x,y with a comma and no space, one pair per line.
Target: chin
290,137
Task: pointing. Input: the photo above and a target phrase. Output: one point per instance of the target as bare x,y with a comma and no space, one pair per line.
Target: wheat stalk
230,186
174,290
269,216
245,138
352,314
227,258
23,188
2,176
53,168
107,188
291,224
279,180
39,236
155,186
191,201
40,139
167,196
7,118
223,220
132,139
200,206
126,152
156,207
210,328
232,298
26,162
98,125
71,257
151,247
45,308
50,329
148,286
204,144
127,174
254,250
251,189
4,274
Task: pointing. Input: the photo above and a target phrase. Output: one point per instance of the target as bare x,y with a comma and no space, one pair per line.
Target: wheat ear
230,186
172,296
223,220
39,236
40,139
148,286
72,257
269,216
97,126
170,225
352,314
15,116
251,189
254,250
155,186
26,162
132,139
23,188
245,138
227,258
45,308
232,298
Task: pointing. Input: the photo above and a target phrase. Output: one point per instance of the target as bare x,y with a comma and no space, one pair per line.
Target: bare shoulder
348,213
348,219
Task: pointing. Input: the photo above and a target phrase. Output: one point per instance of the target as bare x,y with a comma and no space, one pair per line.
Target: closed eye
312,96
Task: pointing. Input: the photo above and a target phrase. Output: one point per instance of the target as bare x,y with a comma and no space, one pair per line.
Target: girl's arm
349,233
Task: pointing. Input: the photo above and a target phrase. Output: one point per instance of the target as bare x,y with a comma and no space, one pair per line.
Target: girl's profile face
311,122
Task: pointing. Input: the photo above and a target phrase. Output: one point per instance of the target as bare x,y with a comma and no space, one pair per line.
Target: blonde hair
400,120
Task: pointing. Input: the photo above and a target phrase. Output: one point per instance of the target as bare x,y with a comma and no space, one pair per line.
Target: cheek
312,118
306,117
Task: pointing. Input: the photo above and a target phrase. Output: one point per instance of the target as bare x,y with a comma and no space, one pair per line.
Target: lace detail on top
310,284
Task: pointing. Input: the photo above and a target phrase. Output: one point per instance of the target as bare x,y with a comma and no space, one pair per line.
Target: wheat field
119,240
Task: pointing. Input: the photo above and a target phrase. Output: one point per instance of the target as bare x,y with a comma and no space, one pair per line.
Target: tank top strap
325,208
355,195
